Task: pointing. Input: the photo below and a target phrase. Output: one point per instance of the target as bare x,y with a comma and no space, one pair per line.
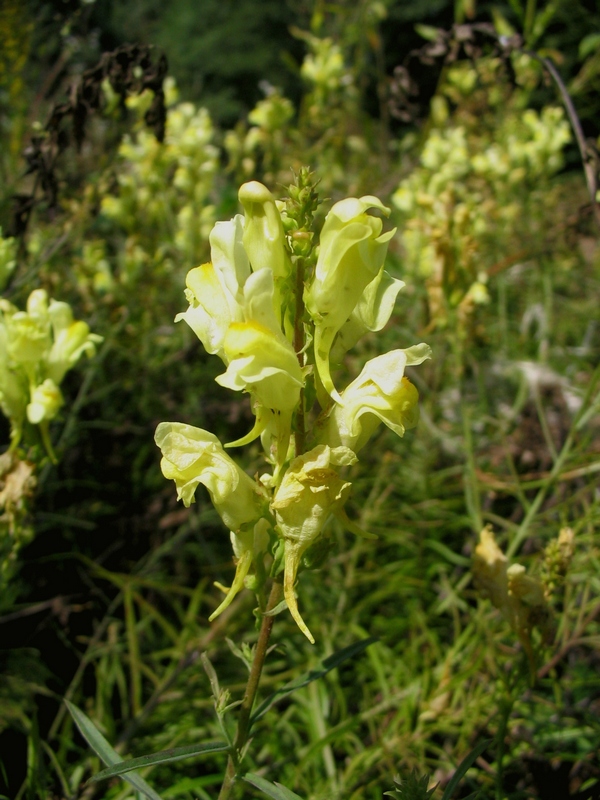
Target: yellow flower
192,456
381,393
215,290
519,597
46,400
371,313
264,364
308,494
264,239
71,340
212,309
351,256
28,332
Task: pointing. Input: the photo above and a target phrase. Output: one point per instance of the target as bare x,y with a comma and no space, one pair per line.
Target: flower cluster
37,348
482,168
163,203
523,600
277,330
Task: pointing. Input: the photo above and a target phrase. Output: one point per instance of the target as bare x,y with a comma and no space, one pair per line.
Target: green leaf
589,44
463,767
103,749
447,553
162,757
427,32
326,665
274,790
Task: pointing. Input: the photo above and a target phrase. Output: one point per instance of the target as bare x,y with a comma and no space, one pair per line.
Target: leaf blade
161,757
326,665
275,790
463,768
105,751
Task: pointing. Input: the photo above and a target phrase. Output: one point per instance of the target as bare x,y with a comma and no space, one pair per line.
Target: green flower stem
300,430
243,726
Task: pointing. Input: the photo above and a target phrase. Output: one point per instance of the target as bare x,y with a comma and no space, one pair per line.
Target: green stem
505,709
300,432
243,726
577,423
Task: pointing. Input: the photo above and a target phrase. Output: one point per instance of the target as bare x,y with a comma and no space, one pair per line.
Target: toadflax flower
381,393
351,256
71,340
46,400
263,362
37,348
236,312
311,490
264,239
519,597
192,456
215,290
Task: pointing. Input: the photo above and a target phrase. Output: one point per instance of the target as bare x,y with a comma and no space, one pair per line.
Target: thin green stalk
529,21
471,483
506,707
555,473
134,652
243,726
300,432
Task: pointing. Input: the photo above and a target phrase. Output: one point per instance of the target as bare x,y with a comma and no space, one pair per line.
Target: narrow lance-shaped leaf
326,665
275,790
162,757
463,768
106,752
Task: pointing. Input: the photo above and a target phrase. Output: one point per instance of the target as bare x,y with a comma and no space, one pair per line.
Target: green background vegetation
498,245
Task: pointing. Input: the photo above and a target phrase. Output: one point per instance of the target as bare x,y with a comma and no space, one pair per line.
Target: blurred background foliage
111,581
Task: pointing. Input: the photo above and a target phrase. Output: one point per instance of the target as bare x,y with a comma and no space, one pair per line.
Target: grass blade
161,757
103,749
465,765
326,665
274,790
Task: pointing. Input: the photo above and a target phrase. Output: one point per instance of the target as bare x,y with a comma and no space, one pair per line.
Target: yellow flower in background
381,393
28,332
351,256
37,348
519,597
71,340
46,400
14,390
